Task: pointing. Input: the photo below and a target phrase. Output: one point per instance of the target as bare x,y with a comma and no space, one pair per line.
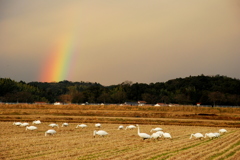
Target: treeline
207,90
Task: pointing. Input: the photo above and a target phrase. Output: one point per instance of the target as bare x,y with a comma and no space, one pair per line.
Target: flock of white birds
158,132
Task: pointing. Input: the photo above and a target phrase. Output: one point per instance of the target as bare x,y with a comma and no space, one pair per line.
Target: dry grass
177,115
70,143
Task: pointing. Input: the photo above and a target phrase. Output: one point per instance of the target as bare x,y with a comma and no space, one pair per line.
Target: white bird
98,125
24,124
31,128
120,127
143,135
50,132
130,127
196,135
17,123
53,125
217,134
100,133
155,135
209,135
166,135
222,131
81,126
156,129
64,124
36,122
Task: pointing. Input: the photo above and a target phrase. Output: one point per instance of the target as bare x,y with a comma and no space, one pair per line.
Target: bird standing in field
101,133
196,135
36,122
50,132
98,125
120,127
130,127
81,126
31,128
143,135
53,125
65,124
156,129
222,131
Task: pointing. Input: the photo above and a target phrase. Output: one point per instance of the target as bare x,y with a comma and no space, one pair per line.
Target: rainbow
57,65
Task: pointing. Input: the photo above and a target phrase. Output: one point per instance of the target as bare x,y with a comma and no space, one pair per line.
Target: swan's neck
138,130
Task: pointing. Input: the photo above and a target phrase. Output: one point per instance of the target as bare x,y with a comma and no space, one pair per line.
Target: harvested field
70,143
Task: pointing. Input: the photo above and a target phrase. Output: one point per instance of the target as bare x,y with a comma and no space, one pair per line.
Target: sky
110,42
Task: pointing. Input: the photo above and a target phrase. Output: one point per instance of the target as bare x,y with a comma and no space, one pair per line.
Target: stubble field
70,143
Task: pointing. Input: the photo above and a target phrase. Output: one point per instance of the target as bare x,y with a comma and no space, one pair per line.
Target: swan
81,126
120,127
31,128
143,135
17,123
155,135
197,136
130,127
159,132
166,135
50,132
222,131
100,133
53,125
24,124
36,122
156,129
217,134
64,124
210,135
98,125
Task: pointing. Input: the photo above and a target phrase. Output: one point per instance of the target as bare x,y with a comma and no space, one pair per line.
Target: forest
207,90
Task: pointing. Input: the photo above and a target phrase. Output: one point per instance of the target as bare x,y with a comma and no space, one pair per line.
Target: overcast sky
114,41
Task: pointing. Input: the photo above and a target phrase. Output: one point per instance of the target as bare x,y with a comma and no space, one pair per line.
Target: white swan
143,135
53,125
222,131
36,122
155,135
81,126
130,127
50,132
217,134
210,135
166,135
196,135
31,128
17,123
24,124
156,129
98,125
65,124
120,127
100,133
